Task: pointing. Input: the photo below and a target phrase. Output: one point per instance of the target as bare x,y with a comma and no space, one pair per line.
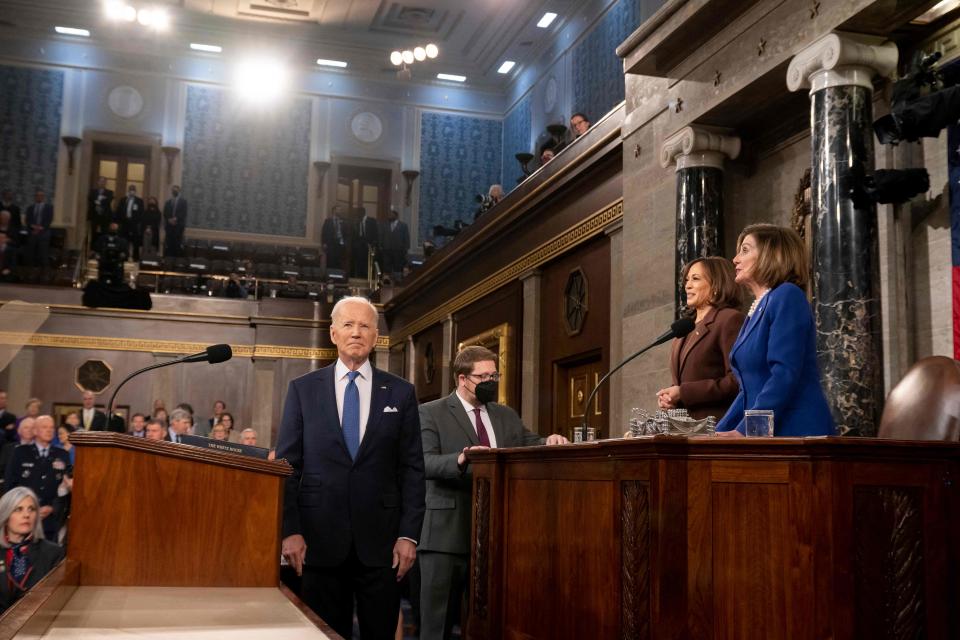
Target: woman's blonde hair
781,255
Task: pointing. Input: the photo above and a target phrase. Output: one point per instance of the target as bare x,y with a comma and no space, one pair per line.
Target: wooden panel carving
635,566
481,559
888,563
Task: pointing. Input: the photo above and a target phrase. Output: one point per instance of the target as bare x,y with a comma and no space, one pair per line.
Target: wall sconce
71,142
410,175
322,167
171,154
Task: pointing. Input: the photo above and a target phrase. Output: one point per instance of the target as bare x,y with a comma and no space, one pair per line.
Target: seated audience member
579,124
32,409
7,226
73,419
775,356
226,419
8,421
180,423
27,556
61,507
63,435
219,432
155,429
445,538
235,287
138,422
161,414
219,406
495,193
8,259
157,405
92,418
39,466
703,383
547,155
248,437
25,431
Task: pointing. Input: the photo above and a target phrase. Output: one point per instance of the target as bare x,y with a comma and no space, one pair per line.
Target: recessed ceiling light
420,54
72,31
449,76
331,63
432,51
506,66
547,20
396,58
408,56
212,48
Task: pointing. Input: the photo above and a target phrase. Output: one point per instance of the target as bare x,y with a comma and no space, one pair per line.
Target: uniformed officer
41,467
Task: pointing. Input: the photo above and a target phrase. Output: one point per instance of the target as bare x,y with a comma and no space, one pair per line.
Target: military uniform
42,474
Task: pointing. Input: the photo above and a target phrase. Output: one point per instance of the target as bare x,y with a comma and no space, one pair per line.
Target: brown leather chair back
925,404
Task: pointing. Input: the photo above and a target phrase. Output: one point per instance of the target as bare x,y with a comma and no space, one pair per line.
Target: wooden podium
148,516
669,537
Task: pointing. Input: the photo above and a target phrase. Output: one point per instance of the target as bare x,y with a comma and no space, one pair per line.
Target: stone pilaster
698,154
838,71
446,383
530,350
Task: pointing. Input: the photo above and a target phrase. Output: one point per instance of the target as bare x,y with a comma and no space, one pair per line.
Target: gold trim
498,341
383,342
173,347
575,235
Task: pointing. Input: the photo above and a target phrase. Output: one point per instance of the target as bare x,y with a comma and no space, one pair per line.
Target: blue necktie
351,414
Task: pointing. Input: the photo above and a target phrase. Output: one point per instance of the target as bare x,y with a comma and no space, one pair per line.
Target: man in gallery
353,506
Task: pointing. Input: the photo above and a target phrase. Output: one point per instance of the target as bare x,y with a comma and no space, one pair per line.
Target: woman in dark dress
703,383
25,557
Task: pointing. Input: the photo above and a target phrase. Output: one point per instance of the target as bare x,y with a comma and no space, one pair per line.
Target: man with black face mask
467,419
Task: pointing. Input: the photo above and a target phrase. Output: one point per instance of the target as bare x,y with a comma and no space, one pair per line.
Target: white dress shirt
484,418
87,417
364,386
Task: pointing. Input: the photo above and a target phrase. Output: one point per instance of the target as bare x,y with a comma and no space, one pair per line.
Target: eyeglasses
485,377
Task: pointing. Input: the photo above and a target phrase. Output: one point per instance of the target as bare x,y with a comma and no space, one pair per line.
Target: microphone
678,329
214,354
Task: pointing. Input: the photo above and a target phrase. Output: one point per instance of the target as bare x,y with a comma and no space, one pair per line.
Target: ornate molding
695,146
578,234
837,60
172,347
635,560
481,555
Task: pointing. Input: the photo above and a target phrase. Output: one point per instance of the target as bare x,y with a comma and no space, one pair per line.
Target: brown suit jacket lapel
693,338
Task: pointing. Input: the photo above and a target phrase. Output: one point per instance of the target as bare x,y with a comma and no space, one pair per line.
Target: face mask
486,391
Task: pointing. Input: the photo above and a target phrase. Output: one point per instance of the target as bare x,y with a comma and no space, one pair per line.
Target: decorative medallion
366,127
550,94
125,102
575,302
93,375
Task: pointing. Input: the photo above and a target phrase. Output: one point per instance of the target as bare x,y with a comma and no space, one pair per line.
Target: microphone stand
586,408
110,406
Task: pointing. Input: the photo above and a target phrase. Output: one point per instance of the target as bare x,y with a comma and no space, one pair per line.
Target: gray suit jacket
446,429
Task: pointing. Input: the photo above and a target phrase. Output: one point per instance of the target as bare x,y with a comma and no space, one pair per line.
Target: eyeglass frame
485,377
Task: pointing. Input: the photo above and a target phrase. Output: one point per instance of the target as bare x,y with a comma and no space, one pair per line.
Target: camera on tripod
924,102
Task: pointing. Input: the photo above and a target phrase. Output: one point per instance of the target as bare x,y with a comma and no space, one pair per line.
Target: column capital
838,60
696,146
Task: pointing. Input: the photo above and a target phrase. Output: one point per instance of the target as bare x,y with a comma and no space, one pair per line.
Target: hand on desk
462,458
728,434
294,549
556,438
668,398
404,553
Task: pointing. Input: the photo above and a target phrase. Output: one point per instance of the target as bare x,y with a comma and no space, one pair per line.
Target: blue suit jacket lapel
751,323
379,394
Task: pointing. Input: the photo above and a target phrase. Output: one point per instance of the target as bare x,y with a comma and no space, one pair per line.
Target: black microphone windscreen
682,327
219,353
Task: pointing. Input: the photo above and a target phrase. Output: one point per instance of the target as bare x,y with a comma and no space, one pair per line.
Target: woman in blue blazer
775,356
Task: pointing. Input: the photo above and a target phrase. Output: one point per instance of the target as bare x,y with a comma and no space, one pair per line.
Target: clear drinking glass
758,423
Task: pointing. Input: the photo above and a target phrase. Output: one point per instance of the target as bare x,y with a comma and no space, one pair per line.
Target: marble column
449,351
698,154
530,349
838,71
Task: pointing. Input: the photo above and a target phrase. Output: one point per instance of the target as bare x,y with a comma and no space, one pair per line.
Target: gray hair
179,414
9,502
253,431
351,299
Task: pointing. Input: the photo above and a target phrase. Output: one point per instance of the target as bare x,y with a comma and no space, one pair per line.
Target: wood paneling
428,372
677,538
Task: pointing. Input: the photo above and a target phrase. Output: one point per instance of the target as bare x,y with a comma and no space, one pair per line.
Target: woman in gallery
25,557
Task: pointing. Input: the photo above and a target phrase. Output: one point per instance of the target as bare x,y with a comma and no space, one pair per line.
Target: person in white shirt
90,417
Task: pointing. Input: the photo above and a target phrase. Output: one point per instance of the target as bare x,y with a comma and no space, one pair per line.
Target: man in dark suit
8,259
174,222
91,418
39,466
99,208
8,421
467,419
39,219
129,215
395,242
365,240
334,236
155,430
24,435
353,507
16,231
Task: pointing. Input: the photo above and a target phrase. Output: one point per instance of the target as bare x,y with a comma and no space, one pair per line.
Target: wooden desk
669,537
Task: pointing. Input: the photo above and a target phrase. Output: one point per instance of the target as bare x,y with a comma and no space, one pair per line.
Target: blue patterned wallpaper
516,139
597,71
31,102
246,170
459,158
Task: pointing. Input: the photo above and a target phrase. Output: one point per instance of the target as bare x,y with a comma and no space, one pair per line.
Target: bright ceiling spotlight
209,48
396,58
161,20
432,51
128,13
420,54
114,9
145,17
408,56
323,62
72,31
451,77
260,80
547,20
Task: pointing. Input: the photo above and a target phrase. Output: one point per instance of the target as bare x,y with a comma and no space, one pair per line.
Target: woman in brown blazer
703,383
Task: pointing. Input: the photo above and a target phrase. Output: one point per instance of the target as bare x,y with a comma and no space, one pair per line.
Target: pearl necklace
753,307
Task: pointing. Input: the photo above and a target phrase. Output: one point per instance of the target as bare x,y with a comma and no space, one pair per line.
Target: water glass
758,423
